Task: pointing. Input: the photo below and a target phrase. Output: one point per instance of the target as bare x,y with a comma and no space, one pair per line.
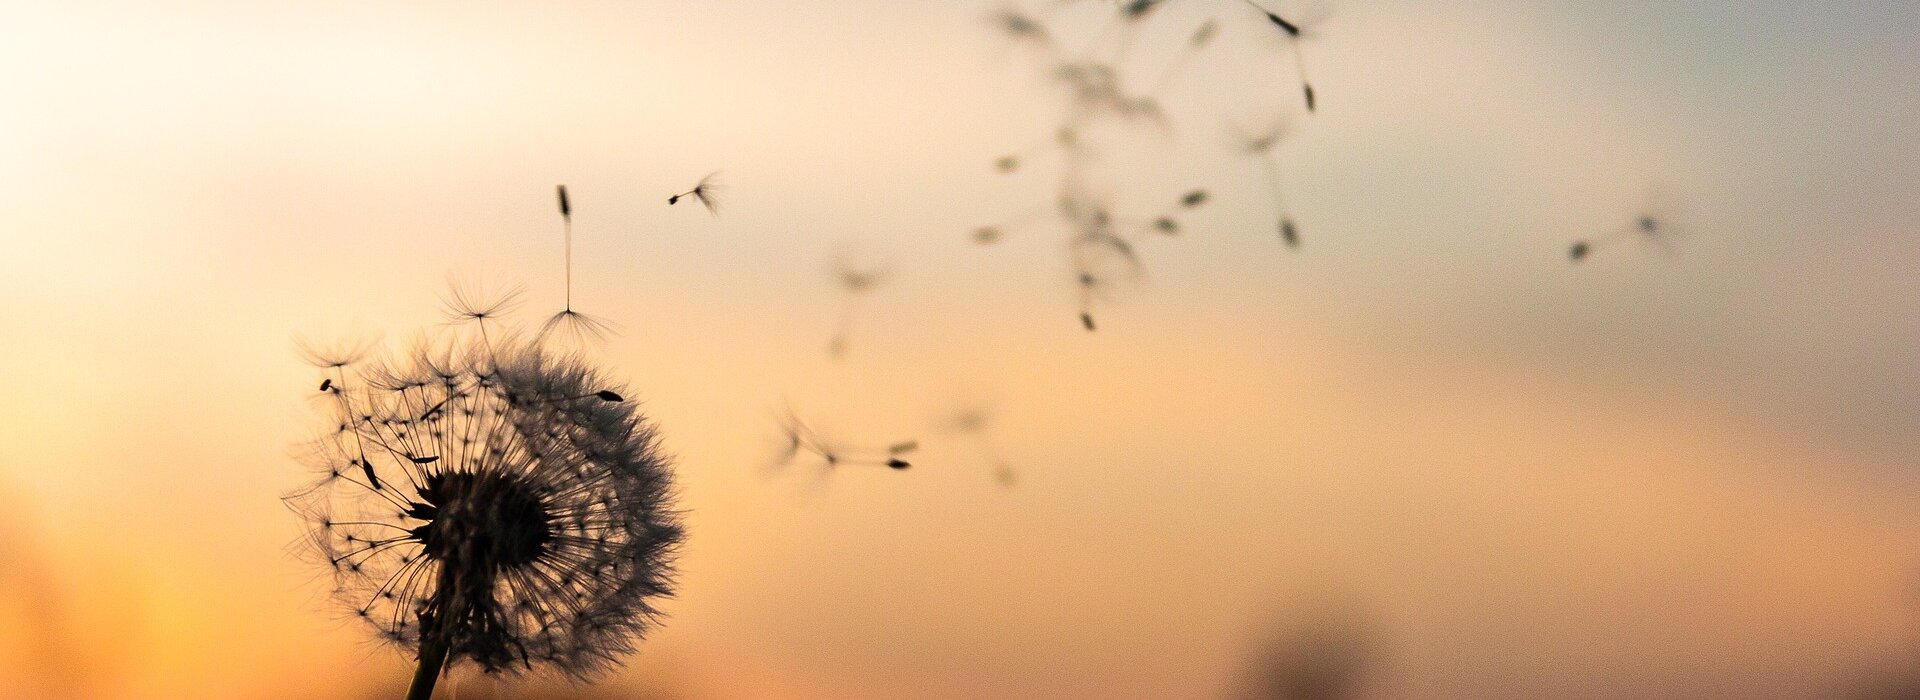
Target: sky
1650,474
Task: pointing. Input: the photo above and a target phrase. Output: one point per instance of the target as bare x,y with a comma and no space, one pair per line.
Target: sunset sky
1645,475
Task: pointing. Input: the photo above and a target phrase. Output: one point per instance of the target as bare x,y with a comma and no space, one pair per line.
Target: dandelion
799,439
1657,225
1021,27
1136,9
1260,144
855,281
1096,88
1101,263
1645,227
1295,33
1167,224
705,192
579,326
1065,138
469,302
503,507
974,422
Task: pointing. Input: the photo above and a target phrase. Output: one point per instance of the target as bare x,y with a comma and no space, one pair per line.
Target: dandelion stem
433,656
436,633
568,225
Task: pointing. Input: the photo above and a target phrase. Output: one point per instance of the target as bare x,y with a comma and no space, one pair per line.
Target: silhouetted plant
490,502
798,439
1260,144
855,280
707,192
974,422
1098,91
1658,223
1295,31
581,327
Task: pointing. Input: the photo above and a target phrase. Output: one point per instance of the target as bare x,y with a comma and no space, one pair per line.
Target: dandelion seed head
525,515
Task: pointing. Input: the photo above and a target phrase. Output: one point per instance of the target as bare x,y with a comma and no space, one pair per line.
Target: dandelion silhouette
498,505
855,281
1295,33
1646,228
1098,85
1657,224
1167,223
974,422
469,302
799,440
706,192
1260,144
1020,27
1065,139
993,233
1102,262
1136,9
580,327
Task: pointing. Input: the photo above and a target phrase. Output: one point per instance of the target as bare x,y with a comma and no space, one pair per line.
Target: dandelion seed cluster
501,506
1098,91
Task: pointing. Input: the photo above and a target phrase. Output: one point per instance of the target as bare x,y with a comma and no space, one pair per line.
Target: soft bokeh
1642,476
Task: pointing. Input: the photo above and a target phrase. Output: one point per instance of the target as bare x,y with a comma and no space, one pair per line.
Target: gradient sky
1643,476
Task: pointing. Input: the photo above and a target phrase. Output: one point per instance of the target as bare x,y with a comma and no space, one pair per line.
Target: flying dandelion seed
1643,228
993,233
469,302
706,192
1065,139
1167,224
582,328
855,281
1295,33
1095,89
1097,86
800,440
1656,225
498,506
1260,145
1020,27
1137,9
974,423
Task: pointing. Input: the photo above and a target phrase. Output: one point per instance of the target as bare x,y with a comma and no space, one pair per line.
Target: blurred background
1424,456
